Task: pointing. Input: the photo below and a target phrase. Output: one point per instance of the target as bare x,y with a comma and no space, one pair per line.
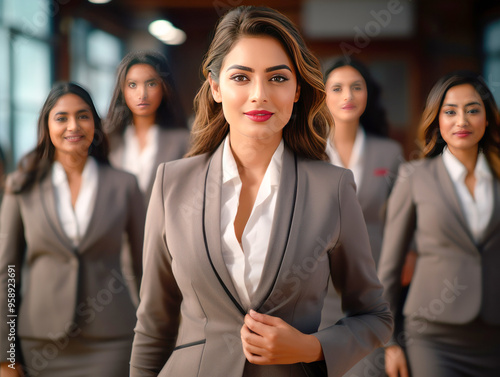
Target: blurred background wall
408,44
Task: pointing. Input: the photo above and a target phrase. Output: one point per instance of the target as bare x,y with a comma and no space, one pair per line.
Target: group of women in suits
248,241
72,226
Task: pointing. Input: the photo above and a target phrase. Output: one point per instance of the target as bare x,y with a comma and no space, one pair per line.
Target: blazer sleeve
160,298
398,234
135,229
368,323
12,249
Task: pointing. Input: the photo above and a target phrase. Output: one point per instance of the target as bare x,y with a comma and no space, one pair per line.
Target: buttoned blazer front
71,290
456,280
190,315
173,143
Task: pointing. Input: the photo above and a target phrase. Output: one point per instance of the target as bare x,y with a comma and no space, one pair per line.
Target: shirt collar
230,169
458,171
130,134
59,174
357,150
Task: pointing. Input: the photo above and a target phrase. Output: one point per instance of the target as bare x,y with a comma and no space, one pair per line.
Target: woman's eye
239,78
357,88
336,89
61,119
449,112
132,85
279,78
85,116
473,111
153,84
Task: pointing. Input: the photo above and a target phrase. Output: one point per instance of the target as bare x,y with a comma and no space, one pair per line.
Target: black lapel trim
235,302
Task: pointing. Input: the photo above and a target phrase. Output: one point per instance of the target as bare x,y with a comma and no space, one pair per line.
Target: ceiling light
166,32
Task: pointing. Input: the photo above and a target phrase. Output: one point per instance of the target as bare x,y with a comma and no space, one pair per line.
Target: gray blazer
382,157
70,290
456,280
173,143
190,315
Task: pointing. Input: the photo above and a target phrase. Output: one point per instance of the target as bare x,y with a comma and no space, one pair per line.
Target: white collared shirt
478,209
140,163
245,262
75,221
357,156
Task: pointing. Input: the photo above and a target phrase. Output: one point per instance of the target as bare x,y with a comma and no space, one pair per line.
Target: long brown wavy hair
35,164
169,113
429,135
307,130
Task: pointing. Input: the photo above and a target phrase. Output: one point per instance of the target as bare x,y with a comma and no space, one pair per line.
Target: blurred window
492,58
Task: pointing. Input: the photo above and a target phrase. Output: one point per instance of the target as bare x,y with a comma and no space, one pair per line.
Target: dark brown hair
307,129
429,135
35,165
169,113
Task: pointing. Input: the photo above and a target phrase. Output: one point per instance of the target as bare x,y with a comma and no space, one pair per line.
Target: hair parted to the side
374,118
429,135
35,164
307,130
169,113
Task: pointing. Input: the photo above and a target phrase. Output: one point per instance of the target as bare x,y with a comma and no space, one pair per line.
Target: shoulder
384,144
174,133
112,175
184,167
324,173
418,168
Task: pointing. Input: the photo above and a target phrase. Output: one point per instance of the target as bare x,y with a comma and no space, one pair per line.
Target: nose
72,124
259,93
463,118
348,95
142,92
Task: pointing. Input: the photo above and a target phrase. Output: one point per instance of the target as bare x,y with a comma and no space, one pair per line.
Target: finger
250,338
265,319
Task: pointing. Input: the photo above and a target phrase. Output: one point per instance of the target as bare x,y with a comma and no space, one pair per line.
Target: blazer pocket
185,360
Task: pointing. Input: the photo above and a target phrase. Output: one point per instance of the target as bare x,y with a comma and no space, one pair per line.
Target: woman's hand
395,362
270,340
5,371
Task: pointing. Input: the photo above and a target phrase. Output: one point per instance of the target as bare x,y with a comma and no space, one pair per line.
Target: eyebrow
468,104
78,111
270,69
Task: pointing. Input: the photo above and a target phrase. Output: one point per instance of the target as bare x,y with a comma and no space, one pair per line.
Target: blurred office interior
408,44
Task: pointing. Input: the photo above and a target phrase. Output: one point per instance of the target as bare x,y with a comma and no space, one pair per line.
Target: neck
344,133
253,156
467,157
143,124
72,163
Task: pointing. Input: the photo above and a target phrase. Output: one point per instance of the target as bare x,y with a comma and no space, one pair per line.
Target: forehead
345,74
138,71
257,51
462,93
70,102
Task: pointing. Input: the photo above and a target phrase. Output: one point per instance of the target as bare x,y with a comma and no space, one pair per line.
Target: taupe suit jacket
381,160
173,144
456,280
71,290
190,315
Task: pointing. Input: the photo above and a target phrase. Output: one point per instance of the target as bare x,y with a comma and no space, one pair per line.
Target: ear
215,89
297,93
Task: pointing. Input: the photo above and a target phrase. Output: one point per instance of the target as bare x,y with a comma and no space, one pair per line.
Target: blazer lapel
47,199
98,217
285,206
494,223
363,189
450,197
211,226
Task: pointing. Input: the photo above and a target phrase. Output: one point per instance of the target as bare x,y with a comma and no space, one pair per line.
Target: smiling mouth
259,115
73,138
